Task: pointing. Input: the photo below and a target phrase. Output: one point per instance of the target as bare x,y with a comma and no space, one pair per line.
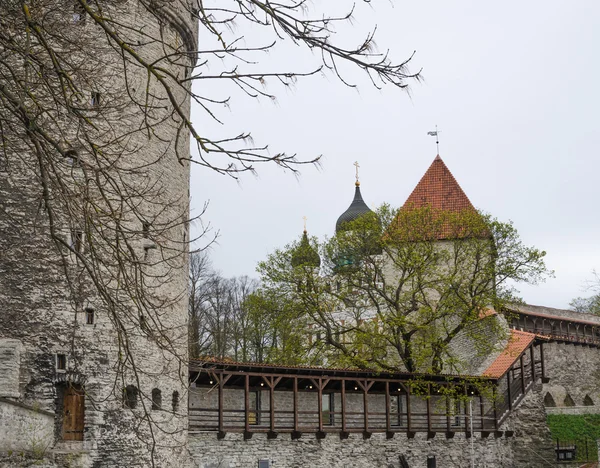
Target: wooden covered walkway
256,398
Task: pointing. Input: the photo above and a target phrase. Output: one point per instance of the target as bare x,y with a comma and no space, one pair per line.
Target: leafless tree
94,125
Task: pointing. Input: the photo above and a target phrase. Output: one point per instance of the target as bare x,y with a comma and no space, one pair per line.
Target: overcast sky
514,89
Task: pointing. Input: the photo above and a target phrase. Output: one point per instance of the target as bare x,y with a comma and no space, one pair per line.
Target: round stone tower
94,232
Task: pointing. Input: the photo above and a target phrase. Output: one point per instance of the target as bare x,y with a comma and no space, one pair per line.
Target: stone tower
94,233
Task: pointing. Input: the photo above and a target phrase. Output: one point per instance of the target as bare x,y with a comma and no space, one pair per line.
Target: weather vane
357,166
304,218
437,138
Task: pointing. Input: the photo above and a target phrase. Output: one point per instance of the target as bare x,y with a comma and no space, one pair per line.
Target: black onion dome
305,254
356,209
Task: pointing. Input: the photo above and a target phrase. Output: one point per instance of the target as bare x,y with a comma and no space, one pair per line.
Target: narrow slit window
72,158
89,316
175,402
156,399
77,240
95,100
130,396
61,362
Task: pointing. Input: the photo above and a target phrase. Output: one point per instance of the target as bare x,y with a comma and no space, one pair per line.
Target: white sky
514,89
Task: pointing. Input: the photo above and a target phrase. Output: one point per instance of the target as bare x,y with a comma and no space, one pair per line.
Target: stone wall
25,429
573,372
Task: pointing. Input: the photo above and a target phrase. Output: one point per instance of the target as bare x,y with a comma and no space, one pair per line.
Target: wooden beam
343,406
522,375
408,411
366,386
467,419
296,404
542,360
481,409
508,389
429,407
495,397
387,406
320,405
247,403
532,359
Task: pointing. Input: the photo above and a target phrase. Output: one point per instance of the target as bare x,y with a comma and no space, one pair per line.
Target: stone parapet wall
572,371
25,429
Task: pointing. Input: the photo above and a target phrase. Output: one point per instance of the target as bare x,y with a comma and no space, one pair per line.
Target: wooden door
73,411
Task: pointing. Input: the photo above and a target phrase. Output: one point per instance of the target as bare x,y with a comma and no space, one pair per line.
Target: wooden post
220,377
522,375
429,408
343,405
495,397
366,408
296,404
448,423
408,418
247,404
481,410
320,404
387,406
532,359
467,419
542,360
509,392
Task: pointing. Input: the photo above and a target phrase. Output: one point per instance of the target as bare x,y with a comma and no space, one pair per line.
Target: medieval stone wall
25,429
572,370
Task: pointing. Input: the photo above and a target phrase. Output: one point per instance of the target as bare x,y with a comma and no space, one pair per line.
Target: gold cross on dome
357,166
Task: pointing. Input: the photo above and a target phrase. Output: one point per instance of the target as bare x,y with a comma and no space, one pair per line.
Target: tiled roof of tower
439,189
518,342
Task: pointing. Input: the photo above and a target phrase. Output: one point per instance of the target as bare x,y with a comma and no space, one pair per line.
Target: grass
577,428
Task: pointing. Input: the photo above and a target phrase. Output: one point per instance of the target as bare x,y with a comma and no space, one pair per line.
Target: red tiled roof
518,342
439,190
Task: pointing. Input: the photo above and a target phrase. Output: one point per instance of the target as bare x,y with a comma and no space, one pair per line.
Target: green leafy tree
399,289
276,331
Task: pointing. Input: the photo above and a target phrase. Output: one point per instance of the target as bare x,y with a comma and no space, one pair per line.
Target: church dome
305,255
356,209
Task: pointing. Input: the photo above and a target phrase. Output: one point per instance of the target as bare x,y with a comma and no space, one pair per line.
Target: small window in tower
77,240
130,396
175,402
78,12
156,399
95,100
72,158
147,250
61,362
145,230
89,316
264,463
